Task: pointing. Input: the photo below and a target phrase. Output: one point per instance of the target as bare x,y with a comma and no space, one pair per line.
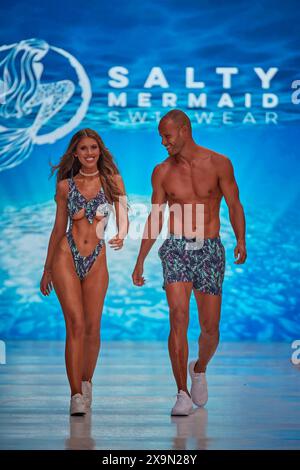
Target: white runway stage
254,393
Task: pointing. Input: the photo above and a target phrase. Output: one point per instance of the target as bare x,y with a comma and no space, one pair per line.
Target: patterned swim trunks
185,261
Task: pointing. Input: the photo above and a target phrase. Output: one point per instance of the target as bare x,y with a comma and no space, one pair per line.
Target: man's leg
209,310
178,296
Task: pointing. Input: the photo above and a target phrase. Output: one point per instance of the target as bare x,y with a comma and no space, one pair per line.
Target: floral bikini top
76,201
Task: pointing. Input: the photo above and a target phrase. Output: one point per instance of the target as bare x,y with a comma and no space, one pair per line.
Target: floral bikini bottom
83,263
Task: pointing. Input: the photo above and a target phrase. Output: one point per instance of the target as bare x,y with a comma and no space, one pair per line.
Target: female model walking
88,185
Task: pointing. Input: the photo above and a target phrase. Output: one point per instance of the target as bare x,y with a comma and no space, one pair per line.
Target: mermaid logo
29,104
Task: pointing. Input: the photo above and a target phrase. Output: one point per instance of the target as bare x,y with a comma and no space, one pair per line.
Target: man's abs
195,219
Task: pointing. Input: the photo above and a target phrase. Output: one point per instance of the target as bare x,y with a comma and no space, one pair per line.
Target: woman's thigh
94,287
66,283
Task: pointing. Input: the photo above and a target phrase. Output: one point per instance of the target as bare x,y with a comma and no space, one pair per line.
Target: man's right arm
153,224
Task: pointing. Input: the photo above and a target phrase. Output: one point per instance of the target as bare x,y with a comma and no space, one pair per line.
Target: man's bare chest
192,183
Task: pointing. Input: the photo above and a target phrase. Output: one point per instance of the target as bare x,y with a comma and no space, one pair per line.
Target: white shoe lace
198,378
77,399
181,397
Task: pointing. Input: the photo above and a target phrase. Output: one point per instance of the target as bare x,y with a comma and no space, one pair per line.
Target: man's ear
184,130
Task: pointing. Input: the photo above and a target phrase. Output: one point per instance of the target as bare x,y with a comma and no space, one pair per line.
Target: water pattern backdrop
260,299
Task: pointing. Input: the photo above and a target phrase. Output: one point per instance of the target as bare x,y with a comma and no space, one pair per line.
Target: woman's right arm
58,231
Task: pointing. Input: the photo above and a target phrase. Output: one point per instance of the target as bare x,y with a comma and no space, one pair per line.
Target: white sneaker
183,405
87,393
199,391
77,405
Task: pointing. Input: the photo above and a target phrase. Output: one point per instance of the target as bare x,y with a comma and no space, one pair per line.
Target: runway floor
254,392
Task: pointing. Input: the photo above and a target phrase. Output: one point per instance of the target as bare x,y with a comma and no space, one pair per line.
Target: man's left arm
230,192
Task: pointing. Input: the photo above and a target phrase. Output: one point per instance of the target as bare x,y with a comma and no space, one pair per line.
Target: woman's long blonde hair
69,165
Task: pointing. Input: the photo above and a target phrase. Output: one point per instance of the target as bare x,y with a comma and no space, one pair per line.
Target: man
192,177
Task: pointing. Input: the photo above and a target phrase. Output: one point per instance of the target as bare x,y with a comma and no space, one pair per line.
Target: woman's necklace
89,174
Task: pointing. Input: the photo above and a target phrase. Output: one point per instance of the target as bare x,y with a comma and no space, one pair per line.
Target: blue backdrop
117,67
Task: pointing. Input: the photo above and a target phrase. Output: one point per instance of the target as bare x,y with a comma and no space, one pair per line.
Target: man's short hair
179,117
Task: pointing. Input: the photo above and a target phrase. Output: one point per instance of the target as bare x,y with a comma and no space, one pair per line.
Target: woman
88,183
